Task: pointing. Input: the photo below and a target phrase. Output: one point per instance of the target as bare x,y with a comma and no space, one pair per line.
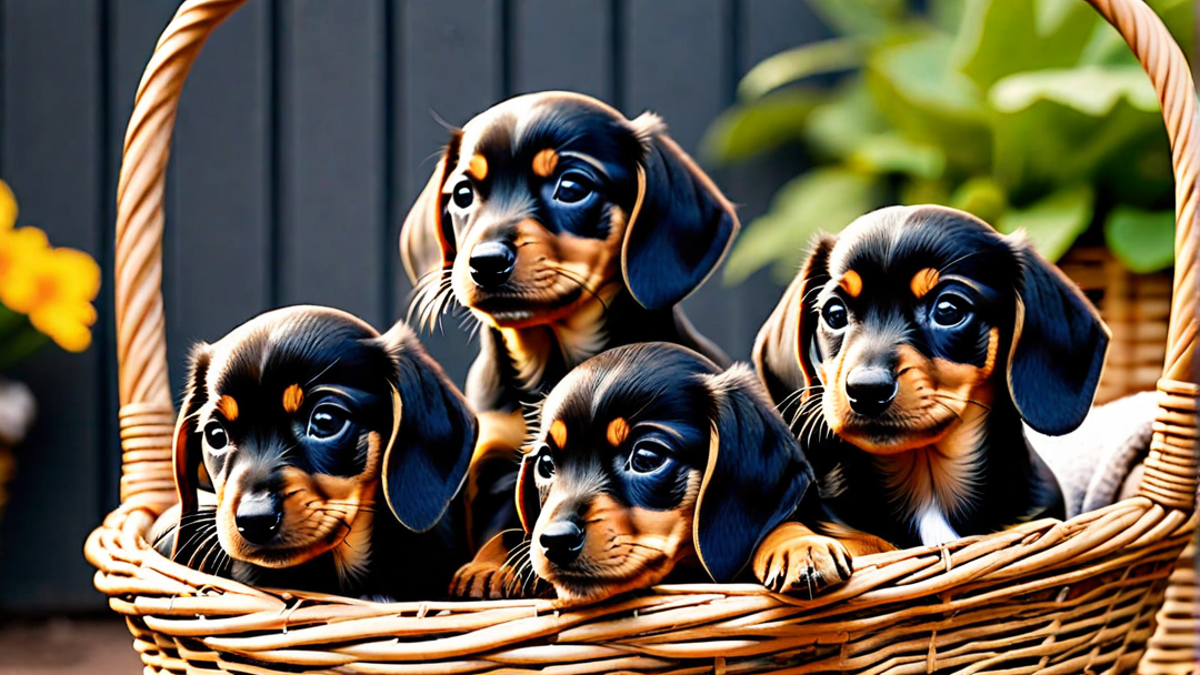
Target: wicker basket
1136,307
1046,597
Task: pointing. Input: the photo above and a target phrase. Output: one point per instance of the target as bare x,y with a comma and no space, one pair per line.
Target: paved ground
67,646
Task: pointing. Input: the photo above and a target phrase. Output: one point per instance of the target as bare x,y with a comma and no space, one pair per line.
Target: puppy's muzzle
258,519
492,263
562,541
870,390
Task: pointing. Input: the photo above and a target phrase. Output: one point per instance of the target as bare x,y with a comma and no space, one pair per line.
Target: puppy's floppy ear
187,454
785,346
1058,349
529,501
680,226
427,237
433,435
756,474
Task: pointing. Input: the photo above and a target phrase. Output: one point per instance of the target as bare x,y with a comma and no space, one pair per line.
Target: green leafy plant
1031,114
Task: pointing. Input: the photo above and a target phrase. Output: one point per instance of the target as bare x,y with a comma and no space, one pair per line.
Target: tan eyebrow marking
558,431
293,398
544,162
228,407
924,281
618,431
478,167
852,283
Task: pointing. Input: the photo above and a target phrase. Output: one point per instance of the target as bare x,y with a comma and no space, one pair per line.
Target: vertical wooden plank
562,44
52,158
676,61
220,258
332,155
450,64
765,28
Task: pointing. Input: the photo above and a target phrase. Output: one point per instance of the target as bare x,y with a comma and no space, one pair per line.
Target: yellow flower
22,252
55,287
8,207
65,282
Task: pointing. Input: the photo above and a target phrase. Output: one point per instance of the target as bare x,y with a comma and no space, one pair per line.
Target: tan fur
923,282
293,398
852,283
545,162
617,432
228,407
478,167
624,549
934,398
558,432
794,558
320,513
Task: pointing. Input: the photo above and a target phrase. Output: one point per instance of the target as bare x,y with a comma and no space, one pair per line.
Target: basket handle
1170,477
147,418
146,413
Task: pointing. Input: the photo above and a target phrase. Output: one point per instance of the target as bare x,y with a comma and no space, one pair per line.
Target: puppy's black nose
258,520
492,262
870,389
562,540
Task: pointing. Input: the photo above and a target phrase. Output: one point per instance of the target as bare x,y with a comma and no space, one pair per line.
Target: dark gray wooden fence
304,134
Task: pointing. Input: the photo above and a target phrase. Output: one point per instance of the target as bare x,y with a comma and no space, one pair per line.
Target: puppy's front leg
795,559
490,575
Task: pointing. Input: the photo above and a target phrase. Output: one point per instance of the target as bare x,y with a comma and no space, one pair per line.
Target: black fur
712,426
678,227
1047,361
341,365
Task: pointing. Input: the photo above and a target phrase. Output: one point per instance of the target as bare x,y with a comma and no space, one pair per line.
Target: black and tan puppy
565,229
650,463
303,421
908,352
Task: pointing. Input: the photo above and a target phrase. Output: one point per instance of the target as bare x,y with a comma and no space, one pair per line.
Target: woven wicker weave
1047,597
1136,308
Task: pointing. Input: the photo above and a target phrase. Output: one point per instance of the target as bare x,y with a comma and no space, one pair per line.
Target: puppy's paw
484,581
805,564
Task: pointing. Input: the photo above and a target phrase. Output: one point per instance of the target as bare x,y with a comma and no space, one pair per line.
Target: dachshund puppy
917,341
650,463
565,229
303,421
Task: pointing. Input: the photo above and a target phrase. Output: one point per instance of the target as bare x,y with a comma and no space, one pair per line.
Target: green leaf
822,199
891,152
1052,143
982,196
748,129
837,128
1053,223
796,64
860,17
1093,90
1144,241
925,99
1001,37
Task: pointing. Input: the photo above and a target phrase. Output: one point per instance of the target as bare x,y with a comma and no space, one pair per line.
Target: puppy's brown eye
214,435
647,457
327,422
573,187
463,194
949,310
545,463
835,314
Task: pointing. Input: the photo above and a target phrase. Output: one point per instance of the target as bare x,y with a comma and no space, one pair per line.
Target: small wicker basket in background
1136,307
1044,597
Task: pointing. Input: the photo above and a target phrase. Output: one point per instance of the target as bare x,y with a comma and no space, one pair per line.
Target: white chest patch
933,527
